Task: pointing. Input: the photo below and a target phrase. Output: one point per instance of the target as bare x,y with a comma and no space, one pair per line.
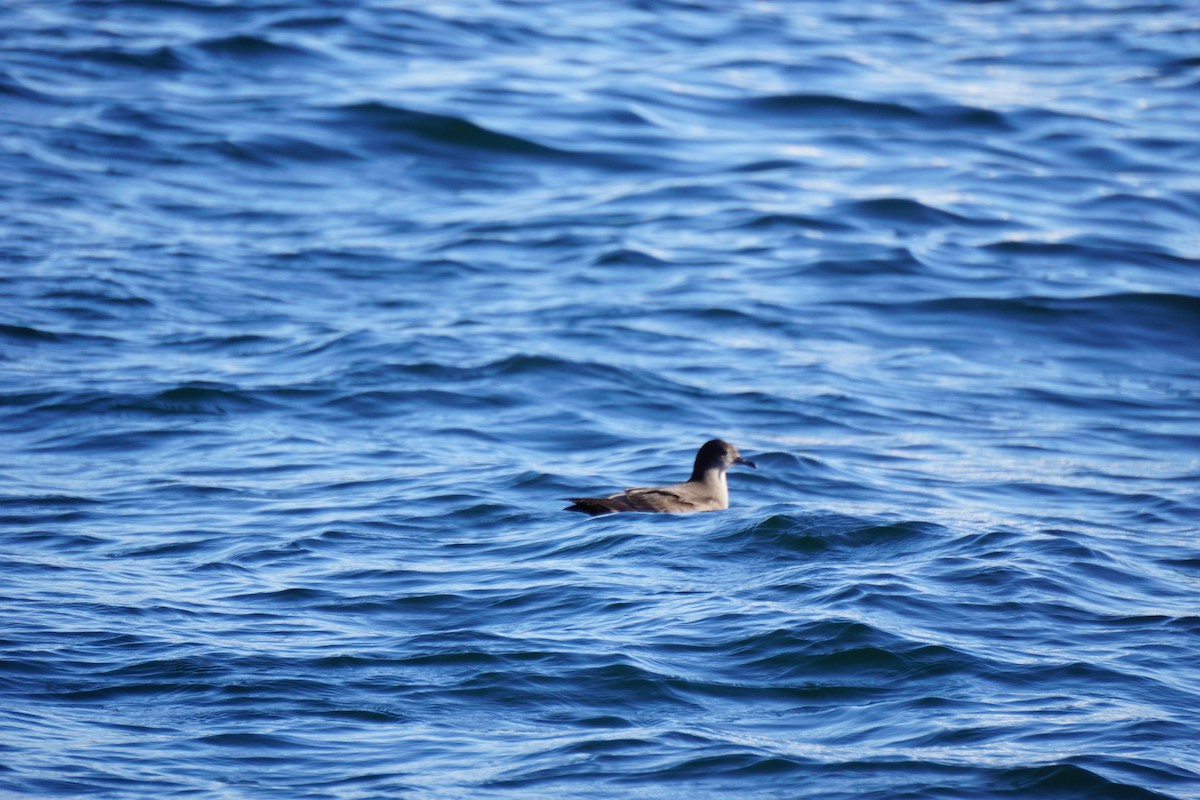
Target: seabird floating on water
706,490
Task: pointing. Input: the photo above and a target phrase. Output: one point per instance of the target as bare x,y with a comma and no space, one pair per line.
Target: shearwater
706,490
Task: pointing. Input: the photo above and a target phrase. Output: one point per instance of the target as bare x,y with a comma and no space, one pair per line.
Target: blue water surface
313,312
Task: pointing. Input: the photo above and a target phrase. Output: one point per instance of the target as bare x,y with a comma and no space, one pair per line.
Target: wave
244,46
276,150
1092,249
155,59
402,129
900,211
1128,320
13,87
396,130
824,108
189,400
26,334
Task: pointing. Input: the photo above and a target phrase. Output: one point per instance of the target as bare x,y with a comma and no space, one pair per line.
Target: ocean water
313,312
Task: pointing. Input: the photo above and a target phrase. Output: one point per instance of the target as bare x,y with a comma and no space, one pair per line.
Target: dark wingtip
592,506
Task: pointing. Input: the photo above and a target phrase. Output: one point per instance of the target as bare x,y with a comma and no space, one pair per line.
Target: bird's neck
714,481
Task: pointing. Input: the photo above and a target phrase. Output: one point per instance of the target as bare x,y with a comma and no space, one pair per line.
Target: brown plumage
706,490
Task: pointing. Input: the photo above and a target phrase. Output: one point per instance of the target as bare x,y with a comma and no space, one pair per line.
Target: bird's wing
661,499
652,499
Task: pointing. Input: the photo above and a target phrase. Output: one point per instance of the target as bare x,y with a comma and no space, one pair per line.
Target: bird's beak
745,463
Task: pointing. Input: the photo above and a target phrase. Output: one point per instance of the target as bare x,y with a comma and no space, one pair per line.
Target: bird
706,490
